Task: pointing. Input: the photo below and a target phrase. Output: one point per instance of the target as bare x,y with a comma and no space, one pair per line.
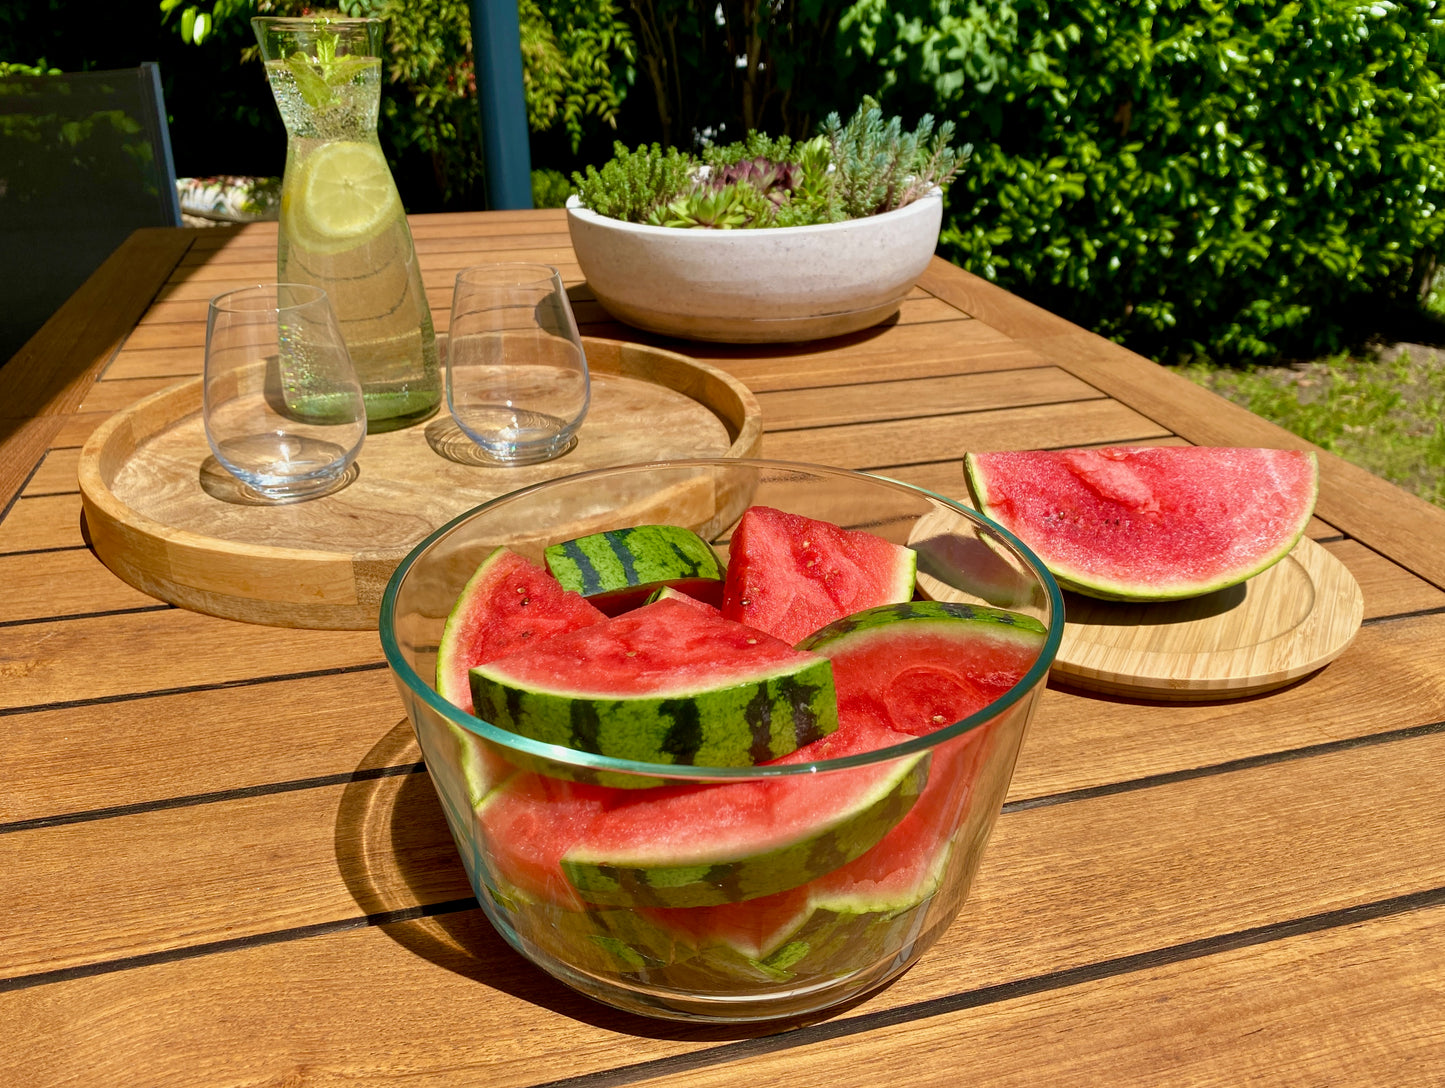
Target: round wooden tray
164,516
1280,625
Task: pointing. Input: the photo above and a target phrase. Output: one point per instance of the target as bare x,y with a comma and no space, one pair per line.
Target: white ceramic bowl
753,286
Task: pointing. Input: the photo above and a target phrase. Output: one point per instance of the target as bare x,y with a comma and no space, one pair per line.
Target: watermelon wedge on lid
1149,523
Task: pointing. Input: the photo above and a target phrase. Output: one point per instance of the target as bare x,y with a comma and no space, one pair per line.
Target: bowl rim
677,773
576,212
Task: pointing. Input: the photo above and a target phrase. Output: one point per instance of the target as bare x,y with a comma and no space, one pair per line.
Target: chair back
85,159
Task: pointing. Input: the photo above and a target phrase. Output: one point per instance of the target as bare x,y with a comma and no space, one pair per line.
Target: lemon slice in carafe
344,196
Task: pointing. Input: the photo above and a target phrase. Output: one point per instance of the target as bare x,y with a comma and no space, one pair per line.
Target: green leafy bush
550,188
1235,179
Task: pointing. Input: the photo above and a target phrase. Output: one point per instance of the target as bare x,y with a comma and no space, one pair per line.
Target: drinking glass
283,407
516,373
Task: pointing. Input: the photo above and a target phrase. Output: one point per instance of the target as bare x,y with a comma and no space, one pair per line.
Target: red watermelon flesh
935,680
1149,522
662,647
510,603
789,575
528,822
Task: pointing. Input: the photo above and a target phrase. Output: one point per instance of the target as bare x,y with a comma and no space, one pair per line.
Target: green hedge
1237,179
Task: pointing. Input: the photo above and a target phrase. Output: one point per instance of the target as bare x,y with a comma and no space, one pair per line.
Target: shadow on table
1094,611
394,852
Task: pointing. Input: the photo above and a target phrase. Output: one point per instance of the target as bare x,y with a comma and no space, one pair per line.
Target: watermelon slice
508,604
1149,523
665,683
789,575
896,875
527,821
923,665
565,842
698,845
618,569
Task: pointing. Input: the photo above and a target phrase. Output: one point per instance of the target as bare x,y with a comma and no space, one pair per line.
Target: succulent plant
774,180
632,185
864,167
879,167
719,208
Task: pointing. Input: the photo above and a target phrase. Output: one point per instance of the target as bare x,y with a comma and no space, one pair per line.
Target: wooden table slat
113,655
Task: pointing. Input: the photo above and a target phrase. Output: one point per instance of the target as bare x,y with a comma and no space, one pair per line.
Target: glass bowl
845,895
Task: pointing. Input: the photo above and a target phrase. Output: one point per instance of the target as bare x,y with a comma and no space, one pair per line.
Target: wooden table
223,864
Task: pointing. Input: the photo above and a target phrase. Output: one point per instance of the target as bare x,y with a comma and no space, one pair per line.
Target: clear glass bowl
829,924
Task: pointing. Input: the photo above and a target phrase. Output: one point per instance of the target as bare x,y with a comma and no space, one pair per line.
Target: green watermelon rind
880,620
742,721
821,941
621,560
1071,578
703,880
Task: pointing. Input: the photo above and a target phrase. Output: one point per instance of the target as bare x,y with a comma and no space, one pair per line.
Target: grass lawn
1385,413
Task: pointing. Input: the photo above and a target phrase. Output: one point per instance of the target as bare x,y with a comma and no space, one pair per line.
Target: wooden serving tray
164,516
1280,625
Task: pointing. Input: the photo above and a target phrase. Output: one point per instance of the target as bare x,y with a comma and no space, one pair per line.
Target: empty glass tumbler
516,373
343,227
283,407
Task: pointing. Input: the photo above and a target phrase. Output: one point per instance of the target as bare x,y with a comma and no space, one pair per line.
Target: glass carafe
343,227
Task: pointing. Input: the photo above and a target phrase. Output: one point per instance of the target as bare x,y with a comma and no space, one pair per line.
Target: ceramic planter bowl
755,286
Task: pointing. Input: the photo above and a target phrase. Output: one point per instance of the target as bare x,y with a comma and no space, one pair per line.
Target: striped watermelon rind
629,563
737,723
719,694
845,823
882,622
